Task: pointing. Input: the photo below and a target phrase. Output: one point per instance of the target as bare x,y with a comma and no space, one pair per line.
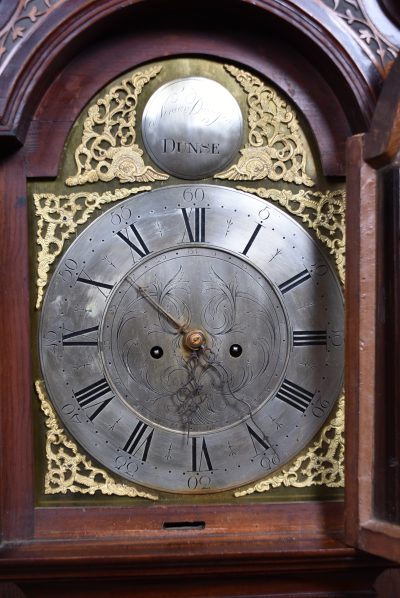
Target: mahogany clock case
278,537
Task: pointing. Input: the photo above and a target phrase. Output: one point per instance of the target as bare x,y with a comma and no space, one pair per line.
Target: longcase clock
174,251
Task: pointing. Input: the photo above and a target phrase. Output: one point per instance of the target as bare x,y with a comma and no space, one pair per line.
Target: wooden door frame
368,156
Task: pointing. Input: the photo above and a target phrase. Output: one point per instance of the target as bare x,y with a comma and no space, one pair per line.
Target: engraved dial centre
220,301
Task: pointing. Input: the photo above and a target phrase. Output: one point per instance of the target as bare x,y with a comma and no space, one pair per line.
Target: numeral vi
200,457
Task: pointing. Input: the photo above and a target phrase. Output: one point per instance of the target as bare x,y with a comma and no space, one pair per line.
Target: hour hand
193,339
181,328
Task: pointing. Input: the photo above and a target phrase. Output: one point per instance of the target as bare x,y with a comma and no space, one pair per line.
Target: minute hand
180,327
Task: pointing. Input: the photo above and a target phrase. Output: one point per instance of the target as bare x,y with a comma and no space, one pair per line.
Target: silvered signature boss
192,127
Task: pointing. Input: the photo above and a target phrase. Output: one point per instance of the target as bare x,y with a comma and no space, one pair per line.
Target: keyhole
156,352
235,350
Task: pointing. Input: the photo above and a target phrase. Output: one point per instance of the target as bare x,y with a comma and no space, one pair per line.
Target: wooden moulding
49,43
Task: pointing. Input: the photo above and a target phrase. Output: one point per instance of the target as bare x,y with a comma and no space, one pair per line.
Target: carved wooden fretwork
373,42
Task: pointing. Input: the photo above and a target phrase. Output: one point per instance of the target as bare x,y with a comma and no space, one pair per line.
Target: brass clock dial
191,338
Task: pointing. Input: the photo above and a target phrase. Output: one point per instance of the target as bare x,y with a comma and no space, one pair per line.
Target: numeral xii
198,233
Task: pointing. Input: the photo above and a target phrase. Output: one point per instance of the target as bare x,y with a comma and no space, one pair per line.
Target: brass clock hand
194,339
178,325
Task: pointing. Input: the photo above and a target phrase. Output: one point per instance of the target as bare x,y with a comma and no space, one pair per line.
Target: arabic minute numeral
319,409
191,194
122,214
269,462
68,272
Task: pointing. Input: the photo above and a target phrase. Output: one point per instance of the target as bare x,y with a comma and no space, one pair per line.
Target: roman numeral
294,395
306,338
200,458
257,441
88,397
294,281
82,342
142,250
252,239
138,439
199,233
96,283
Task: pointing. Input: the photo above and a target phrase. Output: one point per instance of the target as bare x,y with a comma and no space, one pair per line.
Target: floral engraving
196,391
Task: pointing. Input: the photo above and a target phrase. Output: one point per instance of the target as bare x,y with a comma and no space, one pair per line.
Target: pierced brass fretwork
70,471
275,148
108,148
58,217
